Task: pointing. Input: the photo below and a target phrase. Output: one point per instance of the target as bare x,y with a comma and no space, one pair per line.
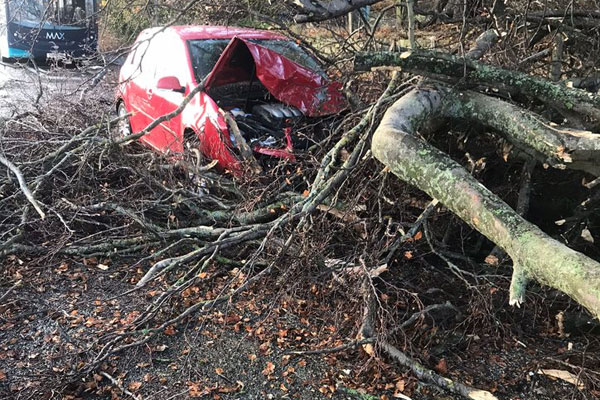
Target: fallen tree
397,145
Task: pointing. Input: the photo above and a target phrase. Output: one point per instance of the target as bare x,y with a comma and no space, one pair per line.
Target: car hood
287,81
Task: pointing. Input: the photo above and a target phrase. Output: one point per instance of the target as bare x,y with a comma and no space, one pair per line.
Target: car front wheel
123,126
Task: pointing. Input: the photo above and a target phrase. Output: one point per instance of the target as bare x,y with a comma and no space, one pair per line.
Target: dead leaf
169,330
492,260
195,390
269,369
587,235
2,375
134,386
442,367
161,348
563,375
400,385
103,267
481,395
375,272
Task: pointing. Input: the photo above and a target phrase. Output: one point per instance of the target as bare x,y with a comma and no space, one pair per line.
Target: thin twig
13,287
23,185
329,350
120,386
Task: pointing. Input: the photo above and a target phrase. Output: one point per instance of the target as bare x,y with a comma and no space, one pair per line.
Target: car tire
123,126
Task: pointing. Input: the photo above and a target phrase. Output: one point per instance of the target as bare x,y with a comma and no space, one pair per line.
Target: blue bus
48,29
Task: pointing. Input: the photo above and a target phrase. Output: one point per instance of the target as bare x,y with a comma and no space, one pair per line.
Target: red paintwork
287,81
286,153
191,32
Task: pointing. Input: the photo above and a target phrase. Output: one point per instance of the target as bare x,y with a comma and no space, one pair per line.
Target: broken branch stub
413,160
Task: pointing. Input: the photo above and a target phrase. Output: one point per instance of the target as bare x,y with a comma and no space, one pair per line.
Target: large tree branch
396,144
558,147
316,10
458,69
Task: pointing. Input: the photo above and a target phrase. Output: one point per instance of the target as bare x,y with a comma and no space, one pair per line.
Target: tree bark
316,10
558,147
457,69
396,145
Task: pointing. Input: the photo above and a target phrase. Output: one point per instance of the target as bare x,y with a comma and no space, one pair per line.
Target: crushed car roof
190,32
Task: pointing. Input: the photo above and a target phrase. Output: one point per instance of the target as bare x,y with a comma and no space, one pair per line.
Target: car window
172,60
150,58
205,54
132,69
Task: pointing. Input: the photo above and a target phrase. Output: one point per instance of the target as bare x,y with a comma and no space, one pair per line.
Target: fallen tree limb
313,11
430,376
409,157
23,185
553,145
455,69
368,331
329,350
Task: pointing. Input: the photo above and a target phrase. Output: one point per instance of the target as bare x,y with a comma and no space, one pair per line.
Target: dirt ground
49,324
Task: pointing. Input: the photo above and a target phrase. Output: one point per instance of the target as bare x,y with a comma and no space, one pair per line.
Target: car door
171,63
133,74
145,93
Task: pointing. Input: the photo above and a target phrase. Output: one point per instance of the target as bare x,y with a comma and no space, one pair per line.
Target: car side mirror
170,83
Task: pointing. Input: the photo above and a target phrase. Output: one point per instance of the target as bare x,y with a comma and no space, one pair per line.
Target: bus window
54,12
31,11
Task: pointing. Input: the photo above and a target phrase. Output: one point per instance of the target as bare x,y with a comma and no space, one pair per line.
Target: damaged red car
262,82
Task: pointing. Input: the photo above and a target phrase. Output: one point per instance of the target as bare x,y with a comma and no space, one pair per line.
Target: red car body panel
168,55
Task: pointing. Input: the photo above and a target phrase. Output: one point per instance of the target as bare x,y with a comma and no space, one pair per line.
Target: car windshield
205,54
50,12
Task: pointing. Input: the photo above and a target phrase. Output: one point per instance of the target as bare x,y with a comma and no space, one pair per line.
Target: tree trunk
396,145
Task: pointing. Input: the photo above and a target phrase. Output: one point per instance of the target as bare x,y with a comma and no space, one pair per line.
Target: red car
262,80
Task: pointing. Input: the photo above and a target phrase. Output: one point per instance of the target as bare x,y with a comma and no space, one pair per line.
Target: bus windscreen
50,12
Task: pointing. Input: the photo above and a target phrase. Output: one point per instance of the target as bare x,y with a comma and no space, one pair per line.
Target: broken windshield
205,54
50,12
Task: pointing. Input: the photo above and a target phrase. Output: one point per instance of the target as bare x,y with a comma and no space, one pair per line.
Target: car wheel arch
118,103
189,133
